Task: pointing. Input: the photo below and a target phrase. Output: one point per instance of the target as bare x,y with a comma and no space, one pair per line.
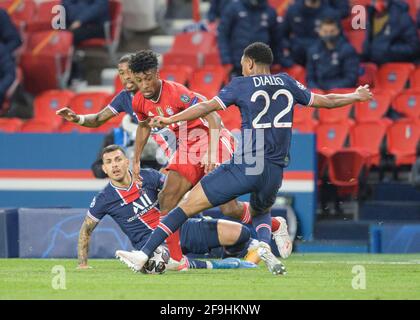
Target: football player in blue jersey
136,210
122,102
266,104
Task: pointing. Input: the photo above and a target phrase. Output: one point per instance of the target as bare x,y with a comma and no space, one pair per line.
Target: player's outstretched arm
334,100
86,120
142,135
83,245
196,111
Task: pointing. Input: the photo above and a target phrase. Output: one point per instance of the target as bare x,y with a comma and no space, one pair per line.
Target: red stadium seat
41,21
402,138
331,136
334,115
38,127
180,73
301,113
89,102
393,76
408,103
69,127
297,72
414,5
356,39
208,80
415,78
10,125
367,72
47,103
46,63
112,31
231,118
367,137
372,110
190,49
344,169
305,126
21,12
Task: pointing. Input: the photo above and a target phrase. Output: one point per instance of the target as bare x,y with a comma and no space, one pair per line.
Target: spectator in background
244,22
342,7
86,18
391,34
332,62
7,73
216,9
9,35
300,24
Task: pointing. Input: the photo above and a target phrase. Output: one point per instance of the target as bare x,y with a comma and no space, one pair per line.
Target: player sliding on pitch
266,104
136,210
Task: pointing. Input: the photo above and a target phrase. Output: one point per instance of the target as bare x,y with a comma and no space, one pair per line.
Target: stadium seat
47,103
367,137
208,80
305,126
89,102
402,138
21,12
41,21
415,78
331,136
393,76
408,103
414,5
46,62
180,73
372,110
297,72
190,49
356,39
112,31
301,113
367,72
10,125
38,127
344,169
334,115
231,118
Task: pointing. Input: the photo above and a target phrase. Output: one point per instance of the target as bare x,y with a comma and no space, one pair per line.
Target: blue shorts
199,236
230,181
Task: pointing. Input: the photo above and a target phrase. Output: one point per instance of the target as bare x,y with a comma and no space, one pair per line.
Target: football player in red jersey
201,144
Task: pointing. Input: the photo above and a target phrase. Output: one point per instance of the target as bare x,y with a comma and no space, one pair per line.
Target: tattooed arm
88,120
84,239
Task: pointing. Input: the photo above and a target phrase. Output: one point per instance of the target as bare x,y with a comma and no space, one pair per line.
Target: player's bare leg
175,187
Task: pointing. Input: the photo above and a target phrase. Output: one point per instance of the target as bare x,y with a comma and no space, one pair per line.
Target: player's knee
168,199
232,209
240,243
244,235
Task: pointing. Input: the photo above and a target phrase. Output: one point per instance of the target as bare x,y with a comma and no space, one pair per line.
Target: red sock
275,225
246,215
174,246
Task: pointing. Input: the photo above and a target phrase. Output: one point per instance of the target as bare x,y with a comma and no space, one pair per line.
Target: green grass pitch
310,276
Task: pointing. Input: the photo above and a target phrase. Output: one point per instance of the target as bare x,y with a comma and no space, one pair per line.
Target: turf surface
310,276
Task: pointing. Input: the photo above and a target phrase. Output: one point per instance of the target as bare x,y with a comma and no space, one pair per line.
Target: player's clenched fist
68,114
364,93
159,122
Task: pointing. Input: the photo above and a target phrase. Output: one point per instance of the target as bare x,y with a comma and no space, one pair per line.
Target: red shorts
187,158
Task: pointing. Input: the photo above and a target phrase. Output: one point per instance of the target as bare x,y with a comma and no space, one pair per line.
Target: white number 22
276,122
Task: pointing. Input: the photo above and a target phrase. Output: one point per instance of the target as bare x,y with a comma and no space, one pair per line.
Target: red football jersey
173,98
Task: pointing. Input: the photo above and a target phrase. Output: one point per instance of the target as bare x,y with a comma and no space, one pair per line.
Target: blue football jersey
122,102
266,104
134,209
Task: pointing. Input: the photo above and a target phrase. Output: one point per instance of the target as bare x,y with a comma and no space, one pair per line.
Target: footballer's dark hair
143,61
125,58
112,148
260,53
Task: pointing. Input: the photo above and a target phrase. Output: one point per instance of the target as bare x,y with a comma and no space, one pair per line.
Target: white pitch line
414,262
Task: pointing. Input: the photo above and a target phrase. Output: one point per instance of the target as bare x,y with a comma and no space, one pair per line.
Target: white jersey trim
92,217
222,104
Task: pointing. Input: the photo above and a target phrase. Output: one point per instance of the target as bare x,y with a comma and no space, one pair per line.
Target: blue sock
166,227
234,249
262,224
